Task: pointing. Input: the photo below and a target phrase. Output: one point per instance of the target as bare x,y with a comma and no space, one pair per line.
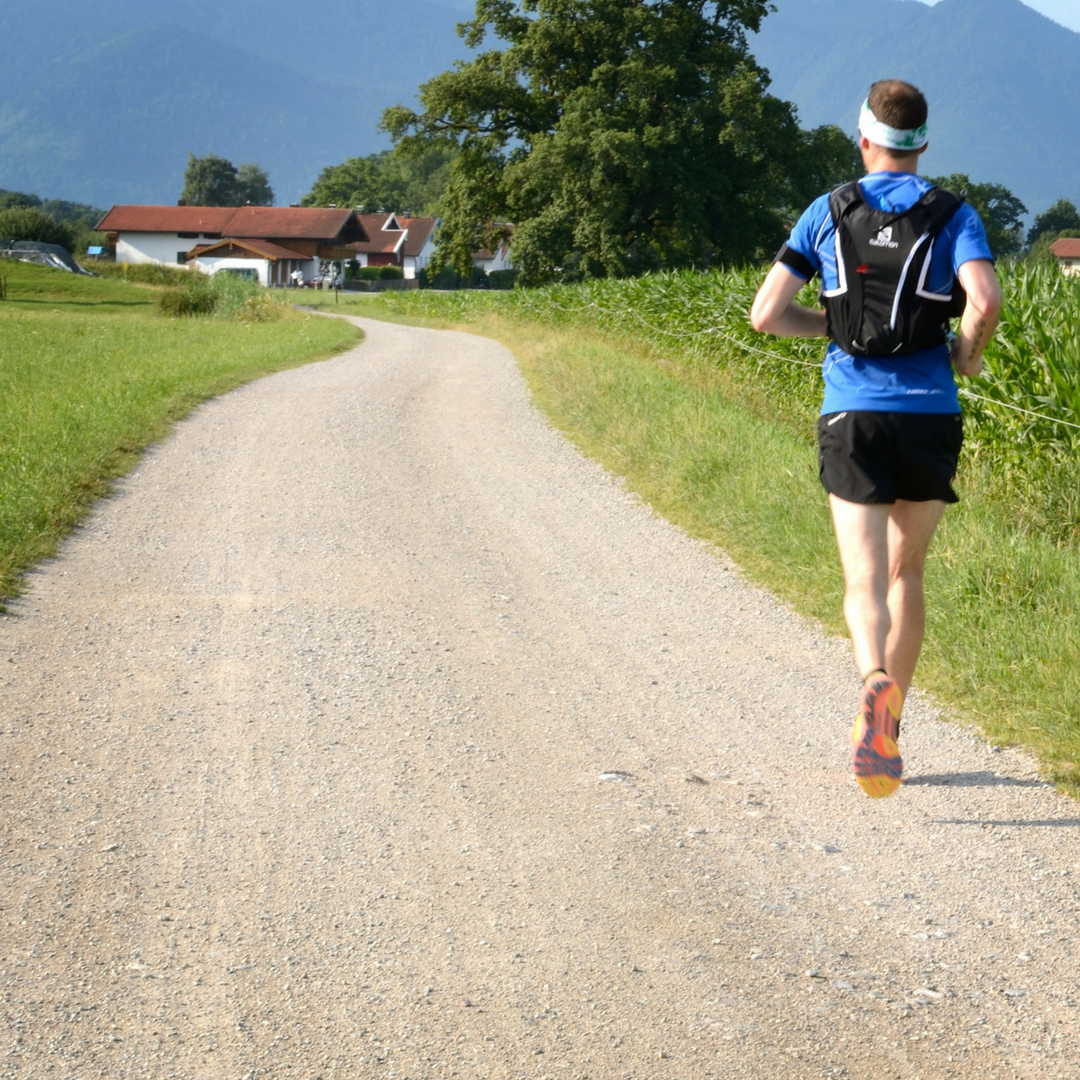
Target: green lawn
90,375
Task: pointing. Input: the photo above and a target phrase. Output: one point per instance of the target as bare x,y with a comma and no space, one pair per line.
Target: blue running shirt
920,382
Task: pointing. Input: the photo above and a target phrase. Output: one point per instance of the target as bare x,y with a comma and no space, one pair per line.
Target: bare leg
911,527
883,552
862,536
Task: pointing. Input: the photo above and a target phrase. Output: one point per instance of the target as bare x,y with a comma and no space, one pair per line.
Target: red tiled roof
255,222
292,222
1066,248
419,229
263,248
167,219
407,239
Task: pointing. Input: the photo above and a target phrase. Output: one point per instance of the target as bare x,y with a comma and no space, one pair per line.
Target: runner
897,258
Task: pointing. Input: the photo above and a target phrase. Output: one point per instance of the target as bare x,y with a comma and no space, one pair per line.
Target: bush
390,273
28,223
195,297
228,296
502,279
368,273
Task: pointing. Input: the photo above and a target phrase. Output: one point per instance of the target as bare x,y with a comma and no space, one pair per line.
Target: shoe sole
875,757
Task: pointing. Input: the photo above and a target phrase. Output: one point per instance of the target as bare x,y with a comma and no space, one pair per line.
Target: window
187,236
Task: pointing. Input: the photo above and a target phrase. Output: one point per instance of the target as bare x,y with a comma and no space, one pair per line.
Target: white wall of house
500,261
152,248
1070,267
413,264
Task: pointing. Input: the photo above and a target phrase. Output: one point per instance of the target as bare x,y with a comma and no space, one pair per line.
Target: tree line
611,137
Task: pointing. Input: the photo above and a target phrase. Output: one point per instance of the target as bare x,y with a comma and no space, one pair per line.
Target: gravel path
370,731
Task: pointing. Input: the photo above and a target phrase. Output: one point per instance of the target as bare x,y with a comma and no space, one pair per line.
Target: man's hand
980,316
774,313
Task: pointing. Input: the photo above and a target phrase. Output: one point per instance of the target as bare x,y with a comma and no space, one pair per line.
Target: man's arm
980,316
774,313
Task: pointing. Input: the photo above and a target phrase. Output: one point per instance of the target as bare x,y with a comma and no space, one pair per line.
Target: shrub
502,279
195,297
28,223
391,273
225,295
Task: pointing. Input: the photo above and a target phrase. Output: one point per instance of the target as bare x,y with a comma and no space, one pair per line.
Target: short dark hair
898,104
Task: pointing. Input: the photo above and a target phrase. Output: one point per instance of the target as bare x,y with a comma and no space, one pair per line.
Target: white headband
870,127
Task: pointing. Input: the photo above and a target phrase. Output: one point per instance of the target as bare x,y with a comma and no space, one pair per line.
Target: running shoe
875,757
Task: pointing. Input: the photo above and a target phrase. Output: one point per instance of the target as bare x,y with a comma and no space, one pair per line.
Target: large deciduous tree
388,180
1061,217
617,136
215,181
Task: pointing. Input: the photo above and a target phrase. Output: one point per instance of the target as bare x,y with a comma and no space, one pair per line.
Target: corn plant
1022,415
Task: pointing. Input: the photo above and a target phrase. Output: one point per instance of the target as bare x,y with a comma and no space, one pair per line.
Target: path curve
371,731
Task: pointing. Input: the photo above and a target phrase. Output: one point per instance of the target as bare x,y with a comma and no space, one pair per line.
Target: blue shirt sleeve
806,235
970,239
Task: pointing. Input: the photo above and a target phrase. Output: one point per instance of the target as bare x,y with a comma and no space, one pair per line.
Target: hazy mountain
1001,80
101,100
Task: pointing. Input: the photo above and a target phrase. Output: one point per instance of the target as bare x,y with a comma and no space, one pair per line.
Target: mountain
101,100
1000,78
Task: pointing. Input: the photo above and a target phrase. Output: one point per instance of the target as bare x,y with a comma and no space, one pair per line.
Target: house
268,242
499,259
1067,253
396,240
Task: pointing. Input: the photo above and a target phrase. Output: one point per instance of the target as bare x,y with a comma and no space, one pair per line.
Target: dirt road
370,731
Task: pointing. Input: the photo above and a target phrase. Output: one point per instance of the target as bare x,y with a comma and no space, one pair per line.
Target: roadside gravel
371,731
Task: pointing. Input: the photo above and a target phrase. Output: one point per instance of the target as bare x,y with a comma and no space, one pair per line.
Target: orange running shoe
875,757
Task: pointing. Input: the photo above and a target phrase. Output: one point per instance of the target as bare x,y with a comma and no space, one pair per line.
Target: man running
890,250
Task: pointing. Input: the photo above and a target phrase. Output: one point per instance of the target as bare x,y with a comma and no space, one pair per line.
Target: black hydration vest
882,305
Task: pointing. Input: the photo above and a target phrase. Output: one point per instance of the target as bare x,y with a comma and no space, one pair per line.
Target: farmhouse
499,259
396,240
1067,253
267,242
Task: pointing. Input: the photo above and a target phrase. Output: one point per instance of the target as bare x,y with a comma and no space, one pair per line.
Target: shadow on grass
63,301
972,779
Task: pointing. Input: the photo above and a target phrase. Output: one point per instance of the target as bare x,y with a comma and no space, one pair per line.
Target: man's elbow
761,317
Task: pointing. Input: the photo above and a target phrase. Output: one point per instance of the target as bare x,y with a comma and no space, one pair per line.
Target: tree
1001,211
388,180
29,223
215,181
17,200
253,185
1061,216
617,135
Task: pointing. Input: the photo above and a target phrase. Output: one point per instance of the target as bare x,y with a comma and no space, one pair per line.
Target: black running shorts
879,457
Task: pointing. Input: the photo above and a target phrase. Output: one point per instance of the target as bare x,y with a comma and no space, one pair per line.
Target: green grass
90,375
724,447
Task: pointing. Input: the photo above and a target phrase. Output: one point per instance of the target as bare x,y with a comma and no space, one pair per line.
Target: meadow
663,381
91,374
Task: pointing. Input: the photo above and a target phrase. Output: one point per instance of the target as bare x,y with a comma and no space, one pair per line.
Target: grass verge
90,376
1003,642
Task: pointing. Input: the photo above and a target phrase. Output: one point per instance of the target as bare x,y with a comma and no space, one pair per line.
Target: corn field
1022,415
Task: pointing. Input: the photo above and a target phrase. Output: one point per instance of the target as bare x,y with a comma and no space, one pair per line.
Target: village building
489,260
275,245
396,240
1067,253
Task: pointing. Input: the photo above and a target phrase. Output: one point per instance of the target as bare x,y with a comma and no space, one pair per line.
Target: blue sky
1066,12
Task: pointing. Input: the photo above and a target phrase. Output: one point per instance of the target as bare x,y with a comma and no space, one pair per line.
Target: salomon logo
884,239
